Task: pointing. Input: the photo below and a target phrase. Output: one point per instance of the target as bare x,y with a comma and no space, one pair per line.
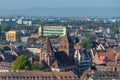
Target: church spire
66,45
47,47
46,53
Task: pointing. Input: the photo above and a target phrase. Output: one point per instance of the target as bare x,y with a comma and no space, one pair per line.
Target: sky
51,6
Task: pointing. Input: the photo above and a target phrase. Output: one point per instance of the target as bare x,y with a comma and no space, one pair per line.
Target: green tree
36,58
116,31
21,63
53,36
6,28
37,66
77,40
49,36
41,37
36,29
88,43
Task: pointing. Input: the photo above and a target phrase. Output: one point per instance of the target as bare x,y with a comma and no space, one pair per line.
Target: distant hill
64,11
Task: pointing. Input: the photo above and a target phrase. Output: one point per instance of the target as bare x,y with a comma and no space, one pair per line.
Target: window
74,77
65,77
70,77
53,77
65,47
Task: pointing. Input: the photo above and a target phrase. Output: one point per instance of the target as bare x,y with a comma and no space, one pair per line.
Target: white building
19,21
7,19
52,30
28,23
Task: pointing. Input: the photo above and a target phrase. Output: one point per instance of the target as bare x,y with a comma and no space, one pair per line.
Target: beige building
12,36
52,30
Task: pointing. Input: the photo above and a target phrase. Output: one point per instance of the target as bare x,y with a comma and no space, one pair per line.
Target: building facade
52,30
5,66
59,61
12,36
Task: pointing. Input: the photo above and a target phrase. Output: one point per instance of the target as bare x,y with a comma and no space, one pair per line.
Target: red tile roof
77,47
108,56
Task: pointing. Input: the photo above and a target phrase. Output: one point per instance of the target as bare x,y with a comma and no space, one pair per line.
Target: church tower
46,53
67,46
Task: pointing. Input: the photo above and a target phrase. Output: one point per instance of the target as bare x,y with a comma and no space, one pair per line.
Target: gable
100,47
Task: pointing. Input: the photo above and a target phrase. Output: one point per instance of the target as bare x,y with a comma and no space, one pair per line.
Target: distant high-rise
52,30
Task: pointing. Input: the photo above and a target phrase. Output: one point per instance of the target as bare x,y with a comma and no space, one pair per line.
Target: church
61,60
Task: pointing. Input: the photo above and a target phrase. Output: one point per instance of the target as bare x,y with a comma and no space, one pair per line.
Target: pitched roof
47,46
100,75
110,54
101,47
104,75
26,73
41,75
6,48
66,75
62,59
66,39
77,47
55,64
117,49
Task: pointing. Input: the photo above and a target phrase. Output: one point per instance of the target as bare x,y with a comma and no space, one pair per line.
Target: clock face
43,54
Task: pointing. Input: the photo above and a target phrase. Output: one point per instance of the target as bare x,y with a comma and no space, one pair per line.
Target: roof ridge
47,46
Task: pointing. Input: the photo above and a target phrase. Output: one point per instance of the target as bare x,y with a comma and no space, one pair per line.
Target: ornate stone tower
46,53
67,46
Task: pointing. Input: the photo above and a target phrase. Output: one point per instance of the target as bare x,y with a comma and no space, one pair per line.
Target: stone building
100,75
37,75
60,60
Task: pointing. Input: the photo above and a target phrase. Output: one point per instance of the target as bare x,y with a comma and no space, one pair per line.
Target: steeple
66,39
46,53
47,46
67,46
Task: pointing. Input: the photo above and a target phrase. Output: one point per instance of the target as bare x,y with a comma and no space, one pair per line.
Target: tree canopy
36,29
49,36
21,63
88,43
37,66
36,57
6,28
